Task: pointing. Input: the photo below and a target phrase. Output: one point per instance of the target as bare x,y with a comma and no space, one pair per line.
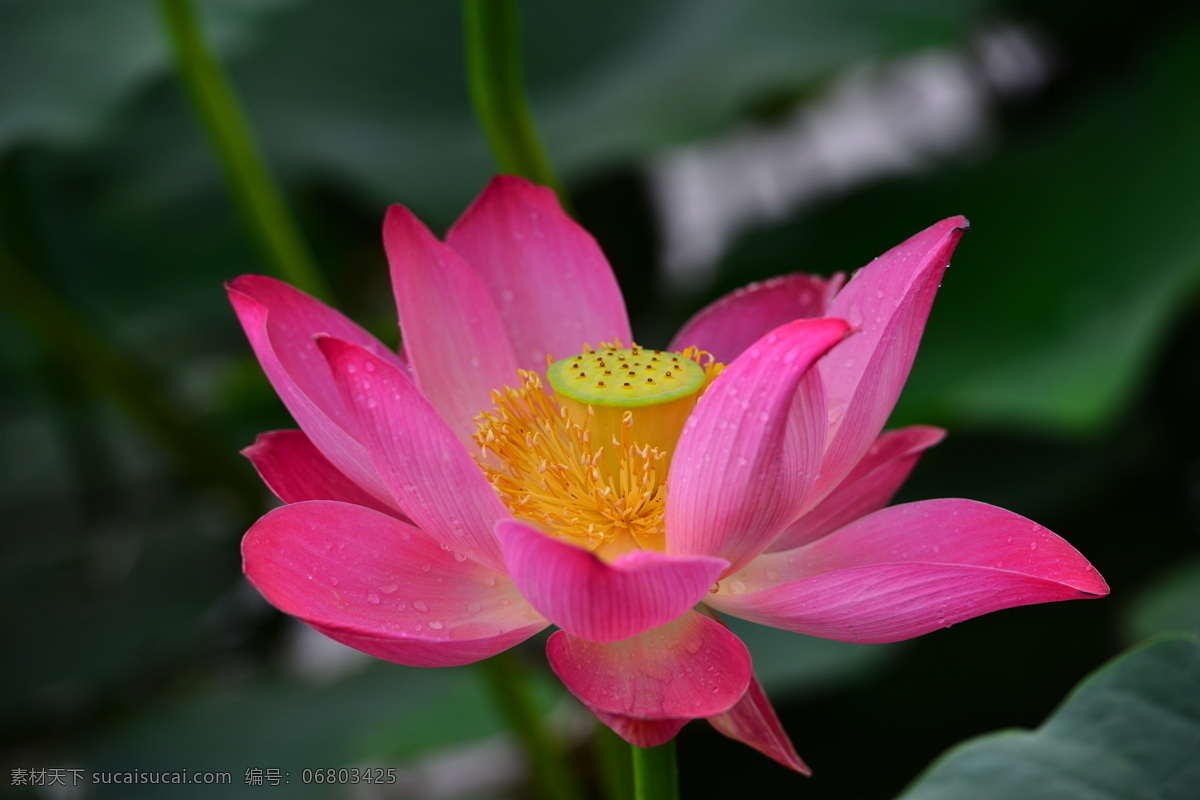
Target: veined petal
599,601
888,302
280,322
739,319
293,468
753,722
424,466
908,570
382,586
693,667
453,335
869,486
731,491
547,276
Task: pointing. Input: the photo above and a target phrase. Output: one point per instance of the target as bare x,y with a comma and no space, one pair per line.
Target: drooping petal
294,469
753,722
869,486
453,335
547,276
382,586
888,301
424,466
739,319
280,322
693,667
641,732
598,601
731,491
908,570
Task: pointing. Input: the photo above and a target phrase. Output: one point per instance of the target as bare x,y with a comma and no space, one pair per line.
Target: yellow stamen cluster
591,472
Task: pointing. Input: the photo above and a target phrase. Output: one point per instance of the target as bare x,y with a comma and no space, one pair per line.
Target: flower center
589,462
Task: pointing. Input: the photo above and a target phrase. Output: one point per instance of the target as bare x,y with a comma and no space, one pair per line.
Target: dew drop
694,647
489,580
421,606
474,608
373,599
333,580
370,366
1033,545
435,625
460,557
737,587
389,589
426,567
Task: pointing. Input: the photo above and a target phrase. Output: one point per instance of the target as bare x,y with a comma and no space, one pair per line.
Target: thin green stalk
655,774
493,42
257,196
65,335
548,766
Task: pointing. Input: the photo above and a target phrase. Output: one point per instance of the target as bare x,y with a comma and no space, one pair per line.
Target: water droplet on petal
489,580
370,366
474,607
435,625
460,557
426,567
373,599
389,589
420,605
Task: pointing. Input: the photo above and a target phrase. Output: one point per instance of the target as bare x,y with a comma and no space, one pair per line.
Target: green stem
493,42
655,775
547,761
257,197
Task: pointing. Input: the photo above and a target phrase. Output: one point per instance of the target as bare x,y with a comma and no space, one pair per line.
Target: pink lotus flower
444,505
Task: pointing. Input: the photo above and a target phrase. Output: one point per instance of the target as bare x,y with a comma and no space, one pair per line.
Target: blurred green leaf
70,64
381,714
1130,730
790,664
1083,249
1170,603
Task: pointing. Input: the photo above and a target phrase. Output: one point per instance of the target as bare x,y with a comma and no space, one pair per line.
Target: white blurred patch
874,122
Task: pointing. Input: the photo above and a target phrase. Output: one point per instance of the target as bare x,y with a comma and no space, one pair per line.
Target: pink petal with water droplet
382,586
280,322
546,275
731,491
869,486
907,570
739,319
753,722
294,469
693,667
453,334
421,462
888,302
602,601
